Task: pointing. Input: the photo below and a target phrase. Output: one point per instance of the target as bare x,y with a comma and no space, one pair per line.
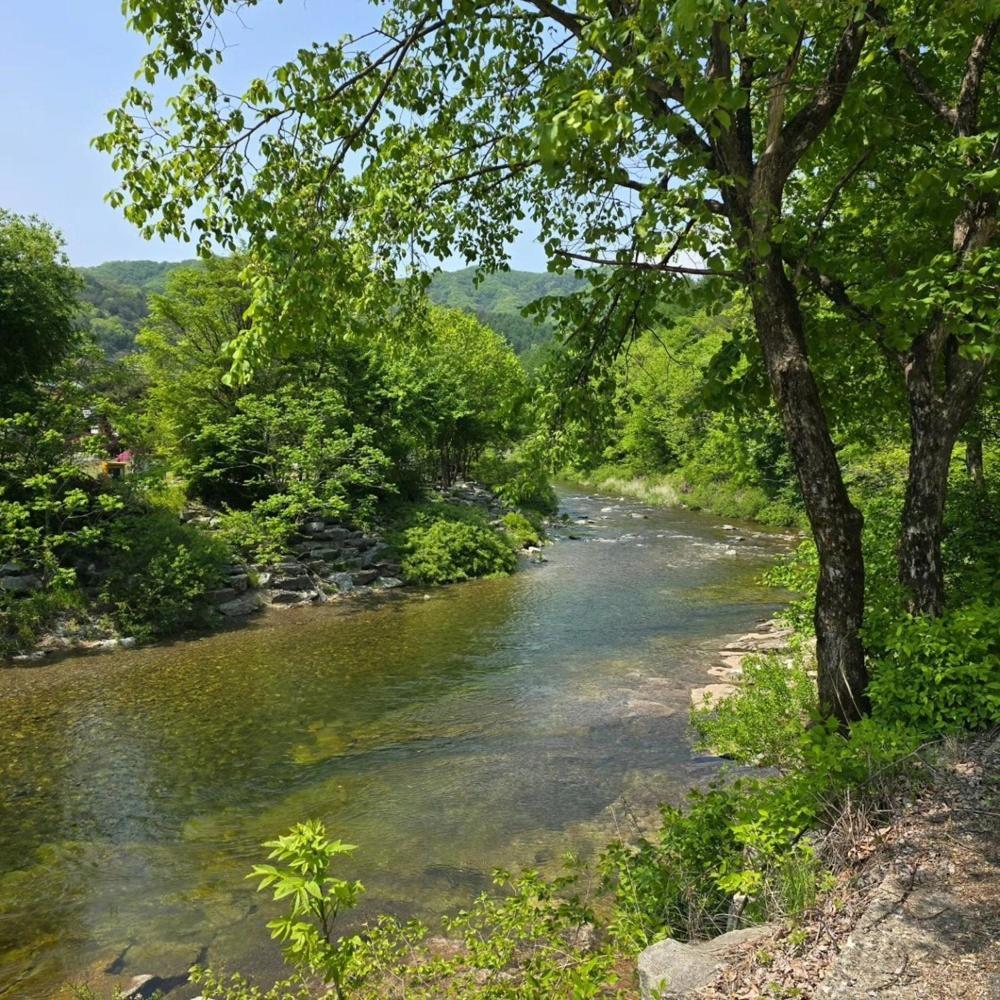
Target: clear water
495,723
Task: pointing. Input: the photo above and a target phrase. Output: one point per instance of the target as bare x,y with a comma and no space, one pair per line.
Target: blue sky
64,63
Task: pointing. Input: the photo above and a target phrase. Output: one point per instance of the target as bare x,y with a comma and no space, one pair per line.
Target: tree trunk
942,388
836,523
974,461
919,557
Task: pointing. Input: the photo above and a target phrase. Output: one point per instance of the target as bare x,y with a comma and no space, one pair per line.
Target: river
500,722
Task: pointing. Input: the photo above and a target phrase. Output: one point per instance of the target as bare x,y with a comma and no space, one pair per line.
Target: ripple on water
497,724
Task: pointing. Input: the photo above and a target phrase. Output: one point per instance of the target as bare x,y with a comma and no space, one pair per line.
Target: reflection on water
493,723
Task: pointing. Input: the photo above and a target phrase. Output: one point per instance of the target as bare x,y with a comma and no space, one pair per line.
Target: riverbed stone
363,577
298,581
328,553
244,604
388,582
288,598
713,693
342,581
670,970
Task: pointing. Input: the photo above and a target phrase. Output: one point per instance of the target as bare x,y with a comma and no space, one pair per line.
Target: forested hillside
116,294
114,299
499,298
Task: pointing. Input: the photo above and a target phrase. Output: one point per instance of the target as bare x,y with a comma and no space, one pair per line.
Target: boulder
388,582
244,604
342,581
223,595
299,582
328,553
363,577
11,569
373,555
669,970
20,584
313,527
142,988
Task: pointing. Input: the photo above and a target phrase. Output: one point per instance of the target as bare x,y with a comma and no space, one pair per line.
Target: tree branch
967,111
645,265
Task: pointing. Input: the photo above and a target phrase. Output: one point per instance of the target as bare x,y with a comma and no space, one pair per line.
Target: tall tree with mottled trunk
650,140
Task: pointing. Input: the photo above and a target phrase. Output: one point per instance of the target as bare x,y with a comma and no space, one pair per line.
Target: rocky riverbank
770,636
327,560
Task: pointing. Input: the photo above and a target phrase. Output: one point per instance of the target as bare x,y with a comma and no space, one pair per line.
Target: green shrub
521,530
449,551
160,574
938,675
23,620
261,534
519,480
527,943
747,838
762,720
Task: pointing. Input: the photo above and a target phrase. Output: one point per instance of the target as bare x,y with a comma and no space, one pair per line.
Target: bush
938,675
520,480
530,943
521,530
760,723
447,551
747,838
160,574
23,620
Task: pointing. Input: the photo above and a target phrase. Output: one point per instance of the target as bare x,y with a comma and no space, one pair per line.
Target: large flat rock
669,970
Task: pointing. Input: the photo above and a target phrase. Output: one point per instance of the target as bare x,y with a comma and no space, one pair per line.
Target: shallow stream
500,722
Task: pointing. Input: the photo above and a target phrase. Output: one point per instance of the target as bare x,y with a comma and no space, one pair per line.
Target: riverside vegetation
837,346
342,433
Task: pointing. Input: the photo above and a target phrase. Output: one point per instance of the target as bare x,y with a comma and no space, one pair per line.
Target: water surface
494,723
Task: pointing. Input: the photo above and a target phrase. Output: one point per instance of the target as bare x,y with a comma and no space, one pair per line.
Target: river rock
313,527
142,988
669,970
290,598
299,581
363,577
244,604
328,553
714,693
372,556
222,595
11,569
388,582
342,581
20,584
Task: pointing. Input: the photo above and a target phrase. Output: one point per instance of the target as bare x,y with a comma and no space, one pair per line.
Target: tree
471,389
906,250
37,302
648,140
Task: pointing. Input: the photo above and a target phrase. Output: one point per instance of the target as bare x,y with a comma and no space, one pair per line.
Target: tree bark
942,388
921,571
836,523
974,461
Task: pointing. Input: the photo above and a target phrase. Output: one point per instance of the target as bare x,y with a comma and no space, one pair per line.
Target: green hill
115,296
499,298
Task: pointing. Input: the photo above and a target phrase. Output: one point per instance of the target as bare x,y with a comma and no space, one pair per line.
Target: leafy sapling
302,874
